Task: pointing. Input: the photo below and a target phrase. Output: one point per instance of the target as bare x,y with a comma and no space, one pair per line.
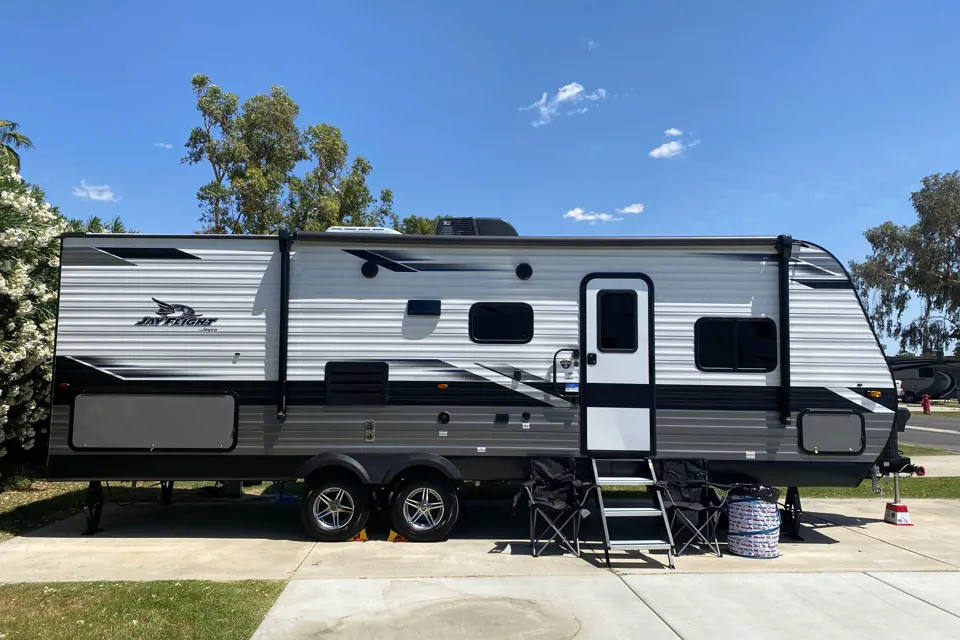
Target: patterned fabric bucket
754,528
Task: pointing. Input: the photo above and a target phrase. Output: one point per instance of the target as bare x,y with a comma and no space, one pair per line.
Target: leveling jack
896,513
93,508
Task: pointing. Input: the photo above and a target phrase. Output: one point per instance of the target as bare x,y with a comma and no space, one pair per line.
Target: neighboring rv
366,362
935,376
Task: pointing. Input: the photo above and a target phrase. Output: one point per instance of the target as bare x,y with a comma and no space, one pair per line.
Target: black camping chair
555,496
694,505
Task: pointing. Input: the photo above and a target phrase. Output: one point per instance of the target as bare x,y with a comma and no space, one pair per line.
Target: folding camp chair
693,504
555,496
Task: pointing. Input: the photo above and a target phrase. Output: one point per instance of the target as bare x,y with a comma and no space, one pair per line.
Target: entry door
616,392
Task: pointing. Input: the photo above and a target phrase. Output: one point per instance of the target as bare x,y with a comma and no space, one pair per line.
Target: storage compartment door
823,432
154,422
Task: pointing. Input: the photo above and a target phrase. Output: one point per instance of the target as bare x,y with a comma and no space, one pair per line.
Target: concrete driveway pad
935,534
213,541
597,607
449,559
837,606
939,589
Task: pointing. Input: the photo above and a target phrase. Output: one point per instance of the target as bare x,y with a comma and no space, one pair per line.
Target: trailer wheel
908,397
335,511
424,510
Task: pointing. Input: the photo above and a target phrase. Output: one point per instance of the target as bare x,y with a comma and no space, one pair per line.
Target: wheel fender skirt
334,460
432,460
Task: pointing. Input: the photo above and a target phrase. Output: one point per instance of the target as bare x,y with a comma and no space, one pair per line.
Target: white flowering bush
29,245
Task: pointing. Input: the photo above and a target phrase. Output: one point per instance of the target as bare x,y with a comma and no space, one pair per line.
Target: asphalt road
938,431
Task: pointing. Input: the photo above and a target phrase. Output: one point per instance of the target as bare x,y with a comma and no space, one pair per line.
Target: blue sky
815,119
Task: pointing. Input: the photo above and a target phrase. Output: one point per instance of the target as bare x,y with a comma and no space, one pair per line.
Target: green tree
419,225
94,224
10,140
917,264
335,192
269,147
214,141
254,150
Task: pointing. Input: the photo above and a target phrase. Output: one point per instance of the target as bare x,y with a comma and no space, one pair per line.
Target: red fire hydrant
925,403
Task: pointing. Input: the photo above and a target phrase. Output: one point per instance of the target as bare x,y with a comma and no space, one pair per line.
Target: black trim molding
784,251
284,336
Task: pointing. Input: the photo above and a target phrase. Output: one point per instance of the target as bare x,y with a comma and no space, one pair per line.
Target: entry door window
617,321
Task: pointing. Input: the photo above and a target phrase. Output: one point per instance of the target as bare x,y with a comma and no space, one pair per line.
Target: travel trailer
935,376
379,364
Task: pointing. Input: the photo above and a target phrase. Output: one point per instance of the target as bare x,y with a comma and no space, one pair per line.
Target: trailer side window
735,344
617,321
501,322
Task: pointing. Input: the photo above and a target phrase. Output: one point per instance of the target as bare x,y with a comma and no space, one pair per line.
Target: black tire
324,506
909,397
442,509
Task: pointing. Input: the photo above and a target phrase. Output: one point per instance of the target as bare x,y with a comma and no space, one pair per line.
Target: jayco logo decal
174,315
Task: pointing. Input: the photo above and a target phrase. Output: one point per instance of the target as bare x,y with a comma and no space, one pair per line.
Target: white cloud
693,144
579,215
673,132
103,193
568,95
631,208
668,150
591,45
163,145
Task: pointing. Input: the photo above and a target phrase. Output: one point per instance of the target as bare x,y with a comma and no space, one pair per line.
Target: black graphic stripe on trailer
148,253
476,392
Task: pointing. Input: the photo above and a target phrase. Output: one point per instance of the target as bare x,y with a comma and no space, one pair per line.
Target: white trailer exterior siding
110,283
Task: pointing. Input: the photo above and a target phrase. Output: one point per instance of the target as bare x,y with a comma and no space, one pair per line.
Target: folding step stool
658,510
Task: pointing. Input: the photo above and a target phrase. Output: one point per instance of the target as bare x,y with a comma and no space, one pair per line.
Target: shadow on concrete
827,520
483,519
221,519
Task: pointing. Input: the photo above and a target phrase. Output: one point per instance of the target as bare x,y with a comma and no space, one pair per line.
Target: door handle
591,358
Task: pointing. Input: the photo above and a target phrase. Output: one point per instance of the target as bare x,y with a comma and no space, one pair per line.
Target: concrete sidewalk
609,607
261,540
853,576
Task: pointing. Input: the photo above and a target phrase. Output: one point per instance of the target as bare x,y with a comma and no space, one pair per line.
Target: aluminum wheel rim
423,509
333,508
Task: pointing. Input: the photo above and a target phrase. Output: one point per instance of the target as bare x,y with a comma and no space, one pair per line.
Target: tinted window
617,321
756,345
736,344
925,372
716,344
508,322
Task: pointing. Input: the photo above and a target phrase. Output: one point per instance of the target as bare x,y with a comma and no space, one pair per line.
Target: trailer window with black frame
735,344
617,321
501,323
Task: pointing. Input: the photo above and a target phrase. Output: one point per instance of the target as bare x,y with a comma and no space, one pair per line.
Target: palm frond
18,140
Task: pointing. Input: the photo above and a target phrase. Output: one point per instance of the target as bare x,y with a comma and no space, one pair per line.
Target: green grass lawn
910,450
909,488
135,610
38,504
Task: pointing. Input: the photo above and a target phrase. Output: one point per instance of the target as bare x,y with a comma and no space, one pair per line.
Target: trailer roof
506,241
